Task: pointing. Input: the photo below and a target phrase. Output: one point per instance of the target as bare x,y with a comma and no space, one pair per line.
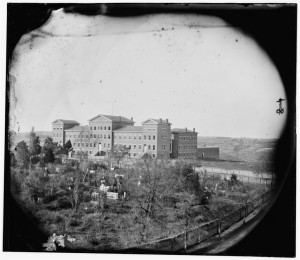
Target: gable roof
130,129
156,121
113,118
66,121
181,130
82,128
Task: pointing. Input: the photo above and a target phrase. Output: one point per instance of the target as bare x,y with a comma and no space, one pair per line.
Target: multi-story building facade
58,129
104,132
184,143
153,137
97,137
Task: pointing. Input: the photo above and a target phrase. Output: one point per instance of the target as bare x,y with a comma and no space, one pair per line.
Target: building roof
208,147
156,121
79,128
181,130
113,118
130,129
66,121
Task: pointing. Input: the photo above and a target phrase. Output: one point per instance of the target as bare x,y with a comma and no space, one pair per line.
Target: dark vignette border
273,26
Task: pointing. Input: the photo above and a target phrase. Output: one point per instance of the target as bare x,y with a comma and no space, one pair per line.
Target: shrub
57,161
64,203
35,160
50,198
51,168
61,193
74,222
53,206
86,197
102,167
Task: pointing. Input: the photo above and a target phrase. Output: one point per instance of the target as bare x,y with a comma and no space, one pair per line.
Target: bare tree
149,184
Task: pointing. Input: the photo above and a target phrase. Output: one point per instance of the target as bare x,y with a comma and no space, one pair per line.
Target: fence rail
215,173
206,230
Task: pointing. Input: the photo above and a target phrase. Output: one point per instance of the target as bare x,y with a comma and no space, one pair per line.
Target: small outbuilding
208,152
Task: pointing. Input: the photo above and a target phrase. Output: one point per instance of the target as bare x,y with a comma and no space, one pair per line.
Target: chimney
160,120
167,120
186,130
193,129
131,118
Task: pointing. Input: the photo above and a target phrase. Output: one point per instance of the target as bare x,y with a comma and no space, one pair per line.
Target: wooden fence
204,231
216,173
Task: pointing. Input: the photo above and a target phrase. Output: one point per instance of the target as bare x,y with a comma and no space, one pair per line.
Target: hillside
240,149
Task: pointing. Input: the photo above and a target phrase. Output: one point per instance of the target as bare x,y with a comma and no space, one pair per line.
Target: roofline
74,130
166,123
131,121
64,119
183,132
134,131
98,116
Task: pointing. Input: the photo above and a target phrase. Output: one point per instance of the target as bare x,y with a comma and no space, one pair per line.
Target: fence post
219,227
185,239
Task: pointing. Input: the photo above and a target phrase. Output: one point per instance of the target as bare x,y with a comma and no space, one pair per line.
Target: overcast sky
197,71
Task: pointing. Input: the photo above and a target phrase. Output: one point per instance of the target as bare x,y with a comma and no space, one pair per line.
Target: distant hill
244,149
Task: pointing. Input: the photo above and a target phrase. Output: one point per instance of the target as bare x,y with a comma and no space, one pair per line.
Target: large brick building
153,137
184,143
59,127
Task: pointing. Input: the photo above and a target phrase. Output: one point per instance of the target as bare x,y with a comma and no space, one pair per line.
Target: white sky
197,72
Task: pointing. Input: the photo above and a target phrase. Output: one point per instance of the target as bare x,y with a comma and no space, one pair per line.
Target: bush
61,193
57,161
50,198
205,198
53,206
102,167
74,222
35,160
64,203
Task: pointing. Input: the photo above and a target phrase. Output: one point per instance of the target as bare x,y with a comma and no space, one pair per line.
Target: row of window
129,137
57,135
183,147
100,128
134,137
187,138
153,129
57,128
149,129
139,146
87,136
187,154
89,145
